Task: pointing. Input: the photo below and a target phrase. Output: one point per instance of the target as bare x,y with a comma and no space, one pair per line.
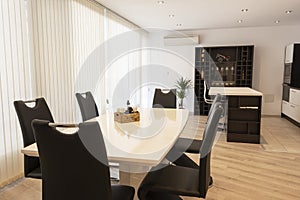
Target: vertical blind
63,34
121,65
15,83
43,45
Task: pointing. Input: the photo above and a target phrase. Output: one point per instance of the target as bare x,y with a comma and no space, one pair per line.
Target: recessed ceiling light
277,21
240,21
160,2
245,10
178,24
288,11
171,16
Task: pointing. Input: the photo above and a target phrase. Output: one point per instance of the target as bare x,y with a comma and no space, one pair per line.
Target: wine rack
228,66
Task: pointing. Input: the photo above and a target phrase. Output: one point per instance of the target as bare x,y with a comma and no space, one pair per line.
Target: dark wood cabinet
244,118
221,66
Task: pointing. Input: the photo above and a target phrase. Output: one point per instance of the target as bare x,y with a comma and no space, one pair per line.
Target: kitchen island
243,113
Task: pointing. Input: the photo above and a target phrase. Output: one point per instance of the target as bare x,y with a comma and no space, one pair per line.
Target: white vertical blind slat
13,82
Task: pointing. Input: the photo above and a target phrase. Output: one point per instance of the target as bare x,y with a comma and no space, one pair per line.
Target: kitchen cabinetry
291,108
289,51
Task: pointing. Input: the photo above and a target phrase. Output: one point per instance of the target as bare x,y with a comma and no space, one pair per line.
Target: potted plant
182,84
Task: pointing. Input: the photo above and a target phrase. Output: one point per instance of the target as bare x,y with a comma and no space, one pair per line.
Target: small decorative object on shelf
222,58
182,84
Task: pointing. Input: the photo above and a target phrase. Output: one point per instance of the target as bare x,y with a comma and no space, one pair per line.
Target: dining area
149,146
95,104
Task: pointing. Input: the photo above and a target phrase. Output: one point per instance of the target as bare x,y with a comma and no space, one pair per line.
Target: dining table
136,146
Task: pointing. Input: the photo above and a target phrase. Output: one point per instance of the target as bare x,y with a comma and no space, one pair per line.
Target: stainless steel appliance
287,73
286,92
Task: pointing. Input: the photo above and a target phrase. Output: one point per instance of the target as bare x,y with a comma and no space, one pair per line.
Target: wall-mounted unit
221,66
181,40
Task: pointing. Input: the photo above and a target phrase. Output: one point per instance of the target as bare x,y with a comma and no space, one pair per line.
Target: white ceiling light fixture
245,10
240,21
171,16
160,2
277,22
288,11
230,11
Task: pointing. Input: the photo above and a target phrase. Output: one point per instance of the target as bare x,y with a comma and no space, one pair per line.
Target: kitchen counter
244,113
234,91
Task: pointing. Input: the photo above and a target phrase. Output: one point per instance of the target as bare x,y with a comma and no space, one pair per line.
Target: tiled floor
241,171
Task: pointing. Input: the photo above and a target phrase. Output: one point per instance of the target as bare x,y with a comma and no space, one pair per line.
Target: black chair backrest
74,166
87,105
26,115
206,147
164,98
216,100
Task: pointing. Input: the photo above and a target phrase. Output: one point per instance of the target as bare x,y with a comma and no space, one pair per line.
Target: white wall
269,45
165,64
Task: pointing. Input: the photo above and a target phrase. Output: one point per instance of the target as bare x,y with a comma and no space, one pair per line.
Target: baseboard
290,119
10,180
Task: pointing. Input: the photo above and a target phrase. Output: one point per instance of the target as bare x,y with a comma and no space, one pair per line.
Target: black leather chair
164,98
87,105
26,114
89,110
75,165
192,145
168,100
183,181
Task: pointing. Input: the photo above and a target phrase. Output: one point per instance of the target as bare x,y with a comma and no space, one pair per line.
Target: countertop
234,91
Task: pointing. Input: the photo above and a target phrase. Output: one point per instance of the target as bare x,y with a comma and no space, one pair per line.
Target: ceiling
206,14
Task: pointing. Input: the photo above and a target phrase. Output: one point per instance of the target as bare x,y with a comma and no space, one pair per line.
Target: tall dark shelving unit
228,66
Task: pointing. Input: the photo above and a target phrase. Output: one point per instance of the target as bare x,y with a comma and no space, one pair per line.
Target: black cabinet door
295,75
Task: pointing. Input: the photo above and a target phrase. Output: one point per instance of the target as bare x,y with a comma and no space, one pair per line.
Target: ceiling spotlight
160,2
288,11
277,21
171,16
245,10
240,21
178,24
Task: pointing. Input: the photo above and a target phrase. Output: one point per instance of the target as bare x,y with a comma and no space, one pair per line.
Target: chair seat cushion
171,179
36,173
188,145
122,192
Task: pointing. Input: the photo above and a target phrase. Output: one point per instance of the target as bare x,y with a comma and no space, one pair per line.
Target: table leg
133,176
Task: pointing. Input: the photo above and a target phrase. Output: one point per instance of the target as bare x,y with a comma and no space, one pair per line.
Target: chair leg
185,161
211,182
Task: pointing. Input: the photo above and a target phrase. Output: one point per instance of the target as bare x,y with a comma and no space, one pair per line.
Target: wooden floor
270,170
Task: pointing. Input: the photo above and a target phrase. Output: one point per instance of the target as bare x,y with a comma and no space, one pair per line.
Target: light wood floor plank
268,171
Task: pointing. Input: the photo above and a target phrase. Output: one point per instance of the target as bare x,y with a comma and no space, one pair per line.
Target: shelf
244,117
238,60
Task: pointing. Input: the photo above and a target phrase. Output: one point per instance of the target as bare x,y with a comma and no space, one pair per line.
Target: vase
180,104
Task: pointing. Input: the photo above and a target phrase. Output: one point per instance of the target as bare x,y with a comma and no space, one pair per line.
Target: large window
42,54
